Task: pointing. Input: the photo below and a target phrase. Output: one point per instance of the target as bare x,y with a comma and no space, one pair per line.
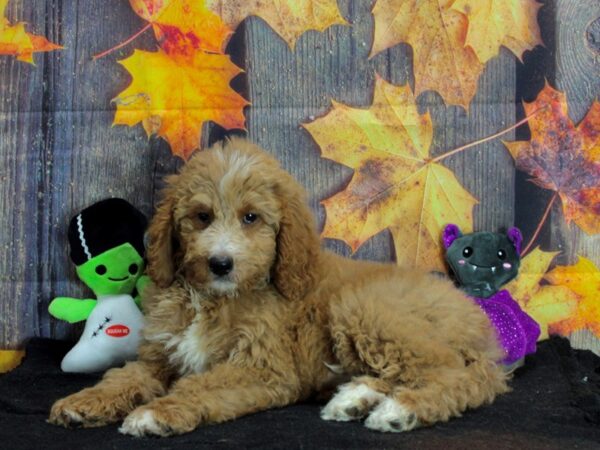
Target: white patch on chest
185,350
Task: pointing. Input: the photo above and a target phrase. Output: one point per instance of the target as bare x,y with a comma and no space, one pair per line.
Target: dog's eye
204,217
501,254
468,251
250,218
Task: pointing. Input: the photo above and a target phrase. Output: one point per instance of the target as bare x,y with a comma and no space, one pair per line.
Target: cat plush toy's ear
515,237
451,233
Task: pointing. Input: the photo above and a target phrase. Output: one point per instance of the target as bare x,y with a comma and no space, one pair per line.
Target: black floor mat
554,404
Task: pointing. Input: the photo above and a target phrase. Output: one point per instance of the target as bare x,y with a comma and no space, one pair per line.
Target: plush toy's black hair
105,225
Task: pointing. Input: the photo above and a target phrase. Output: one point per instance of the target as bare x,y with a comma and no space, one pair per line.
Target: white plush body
110,337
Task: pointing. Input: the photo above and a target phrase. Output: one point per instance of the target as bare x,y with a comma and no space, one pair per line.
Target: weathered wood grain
22,137
578,75
59,152
289,88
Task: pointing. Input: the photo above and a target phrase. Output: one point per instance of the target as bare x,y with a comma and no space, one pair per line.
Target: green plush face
113,272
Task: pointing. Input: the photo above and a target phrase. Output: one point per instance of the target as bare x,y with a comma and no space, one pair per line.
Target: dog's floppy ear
298,244
160,252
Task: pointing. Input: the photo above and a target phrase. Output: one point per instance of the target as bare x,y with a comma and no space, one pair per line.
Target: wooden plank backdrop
577,50
59,152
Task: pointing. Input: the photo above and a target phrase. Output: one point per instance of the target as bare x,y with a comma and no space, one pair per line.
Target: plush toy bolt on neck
480,264
107,248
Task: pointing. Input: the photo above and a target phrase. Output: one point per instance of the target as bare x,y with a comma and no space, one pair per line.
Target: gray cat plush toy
480,264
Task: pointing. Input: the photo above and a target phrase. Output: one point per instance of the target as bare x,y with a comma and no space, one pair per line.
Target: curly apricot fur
290,320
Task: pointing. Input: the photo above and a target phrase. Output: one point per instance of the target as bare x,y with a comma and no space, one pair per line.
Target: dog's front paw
352,402
391,416
88,408
156,419
143,422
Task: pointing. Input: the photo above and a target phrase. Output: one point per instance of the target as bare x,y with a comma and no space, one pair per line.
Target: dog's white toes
141,423
353,401
74,417
391,416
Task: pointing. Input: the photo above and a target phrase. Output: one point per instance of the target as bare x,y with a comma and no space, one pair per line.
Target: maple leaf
14,40
562,157
437,36
584,280
183,26
289,18
9,359
546,304
174,95
395,184
495,23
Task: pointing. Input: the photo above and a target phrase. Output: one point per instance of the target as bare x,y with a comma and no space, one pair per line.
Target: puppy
246,313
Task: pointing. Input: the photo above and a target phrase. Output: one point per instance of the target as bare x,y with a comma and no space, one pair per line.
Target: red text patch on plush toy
117,331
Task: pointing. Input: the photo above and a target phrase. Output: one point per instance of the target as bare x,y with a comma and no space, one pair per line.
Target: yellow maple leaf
289,18
544,303
183,26
9,359
395,183
496,23
436,33
584,280
14,40
174,95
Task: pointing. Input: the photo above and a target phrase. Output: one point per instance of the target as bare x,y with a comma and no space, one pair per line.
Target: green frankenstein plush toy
107,246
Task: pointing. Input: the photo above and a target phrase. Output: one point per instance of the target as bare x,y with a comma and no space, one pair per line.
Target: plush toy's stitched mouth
117,279
474,267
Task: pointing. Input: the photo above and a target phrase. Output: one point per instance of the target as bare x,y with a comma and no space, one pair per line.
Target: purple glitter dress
516,331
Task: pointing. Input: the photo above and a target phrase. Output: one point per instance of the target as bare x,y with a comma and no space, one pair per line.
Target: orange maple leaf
563,158
183,26
173,95
14,40
395,183
584,280
546,304
289,18
437,35
495,23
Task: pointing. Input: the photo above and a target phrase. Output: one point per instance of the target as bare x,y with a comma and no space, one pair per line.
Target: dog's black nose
220,265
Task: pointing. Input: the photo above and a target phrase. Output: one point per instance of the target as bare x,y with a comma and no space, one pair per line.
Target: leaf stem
488,138
122,44
541,224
